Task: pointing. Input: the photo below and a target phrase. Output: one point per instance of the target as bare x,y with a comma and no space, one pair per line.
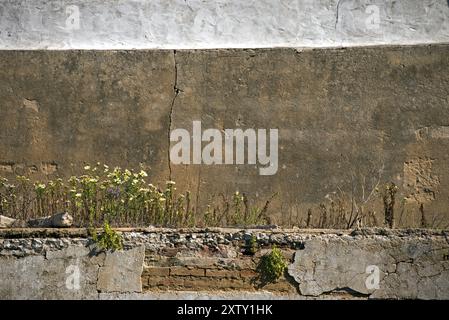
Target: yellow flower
40,186
142,173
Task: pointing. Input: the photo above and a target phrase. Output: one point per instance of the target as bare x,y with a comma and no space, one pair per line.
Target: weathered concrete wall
206,264
347,118
144,24
63,108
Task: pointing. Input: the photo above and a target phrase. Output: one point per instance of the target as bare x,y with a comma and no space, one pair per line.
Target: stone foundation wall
214,263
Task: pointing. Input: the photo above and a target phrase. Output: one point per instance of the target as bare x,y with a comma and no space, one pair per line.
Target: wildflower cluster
120,197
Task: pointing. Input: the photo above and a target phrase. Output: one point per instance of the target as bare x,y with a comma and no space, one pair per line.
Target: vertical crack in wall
336,18
170,115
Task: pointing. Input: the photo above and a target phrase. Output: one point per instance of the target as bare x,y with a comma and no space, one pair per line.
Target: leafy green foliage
250,247
271,266
108,239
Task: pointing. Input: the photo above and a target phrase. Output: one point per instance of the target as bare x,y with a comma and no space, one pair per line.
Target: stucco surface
347,119
145,24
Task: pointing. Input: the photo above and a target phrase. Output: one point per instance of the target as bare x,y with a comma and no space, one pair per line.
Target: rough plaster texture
323,264
43,268
44,277
347,118
128,92
121,271
409,268
143,24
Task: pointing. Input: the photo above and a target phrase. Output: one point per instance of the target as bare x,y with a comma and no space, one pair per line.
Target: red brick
211,284
248,273
201,284
233,284
183,271
166,282
220,273
281,285
157,271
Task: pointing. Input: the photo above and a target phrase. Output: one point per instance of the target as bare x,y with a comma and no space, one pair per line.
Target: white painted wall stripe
177,24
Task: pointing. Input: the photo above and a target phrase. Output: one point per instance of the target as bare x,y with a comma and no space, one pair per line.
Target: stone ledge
11,233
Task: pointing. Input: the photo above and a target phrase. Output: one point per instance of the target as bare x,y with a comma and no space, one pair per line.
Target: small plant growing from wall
271,266
250,246
108,239
389,199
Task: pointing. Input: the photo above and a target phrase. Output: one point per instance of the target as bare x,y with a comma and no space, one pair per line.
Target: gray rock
6,222
59,220
408,268
38,277
62,220
122,271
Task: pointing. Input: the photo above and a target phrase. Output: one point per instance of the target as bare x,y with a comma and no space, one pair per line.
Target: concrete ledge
15,233
143,24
